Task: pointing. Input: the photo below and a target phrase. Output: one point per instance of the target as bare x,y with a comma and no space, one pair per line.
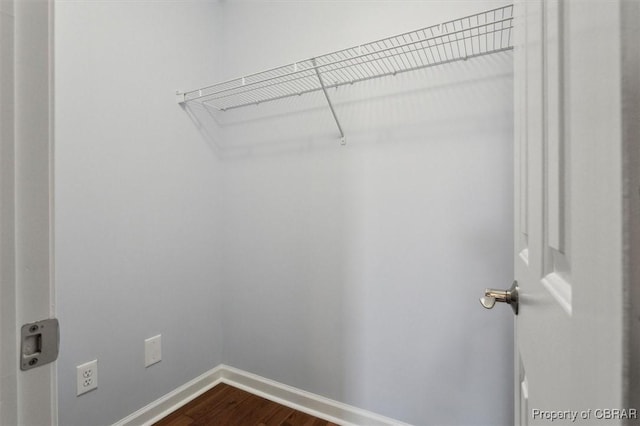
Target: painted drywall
354,272
136,202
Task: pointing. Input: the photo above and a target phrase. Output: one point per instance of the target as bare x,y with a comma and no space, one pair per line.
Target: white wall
136,202
354,272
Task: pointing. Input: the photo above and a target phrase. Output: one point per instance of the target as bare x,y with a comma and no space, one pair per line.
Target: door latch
40,343
510,297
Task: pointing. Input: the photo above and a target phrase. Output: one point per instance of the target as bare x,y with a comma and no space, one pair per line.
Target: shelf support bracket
343,141
180,97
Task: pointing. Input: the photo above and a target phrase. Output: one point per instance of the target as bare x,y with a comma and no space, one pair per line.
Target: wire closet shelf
460,39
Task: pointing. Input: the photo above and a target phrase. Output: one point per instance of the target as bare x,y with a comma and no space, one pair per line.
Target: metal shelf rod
342,66
437,26
455,40
326,95
355,58
336,85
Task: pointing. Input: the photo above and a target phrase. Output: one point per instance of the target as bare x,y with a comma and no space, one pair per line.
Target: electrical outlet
87,377
152,350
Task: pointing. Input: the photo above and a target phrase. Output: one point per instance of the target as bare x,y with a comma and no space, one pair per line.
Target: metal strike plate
40,343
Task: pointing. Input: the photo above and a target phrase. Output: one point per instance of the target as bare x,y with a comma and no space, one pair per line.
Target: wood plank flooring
225,405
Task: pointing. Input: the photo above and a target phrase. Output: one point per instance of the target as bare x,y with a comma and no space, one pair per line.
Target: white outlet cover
152,350
86,377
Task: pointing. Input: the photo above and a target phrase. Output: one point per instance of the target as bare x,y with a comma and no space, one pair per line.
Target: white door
568,252
26,290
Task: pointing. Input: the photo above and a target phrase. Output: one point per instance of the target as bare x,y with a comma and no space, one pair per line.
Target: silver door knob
491,296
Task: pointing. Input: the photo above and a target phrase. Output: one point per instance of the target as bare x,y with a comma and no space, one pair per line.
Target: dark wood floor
225,405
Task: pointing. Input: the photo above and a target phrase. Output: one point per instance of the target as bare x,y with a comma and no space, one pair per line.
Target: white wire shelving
460,39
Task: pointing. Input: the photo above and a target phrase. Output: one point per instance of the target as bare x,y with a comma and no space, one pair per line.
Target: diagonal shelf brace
326,95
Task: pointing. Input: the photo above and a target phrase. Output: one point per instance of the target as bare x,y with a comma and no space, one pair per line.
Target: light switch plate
152,350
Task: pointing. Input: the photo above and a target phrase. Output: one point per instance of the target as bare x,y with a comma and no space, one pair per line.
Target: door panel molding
554,117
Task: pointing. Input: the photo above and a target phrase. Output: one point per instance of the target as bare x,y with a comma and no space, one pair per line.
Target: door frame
8,352
26,203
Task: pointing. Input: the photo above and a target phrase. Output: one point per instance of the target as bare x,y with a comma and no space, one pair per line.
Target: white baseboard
173,400
289,396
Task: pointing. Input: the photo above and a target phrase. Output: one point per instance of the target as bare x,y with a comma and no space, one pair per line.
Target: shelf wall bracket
180,97
343,140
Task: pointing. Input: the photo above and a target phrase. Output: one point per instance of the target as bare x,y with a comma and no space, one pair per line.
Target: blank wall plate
87,377
152,350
